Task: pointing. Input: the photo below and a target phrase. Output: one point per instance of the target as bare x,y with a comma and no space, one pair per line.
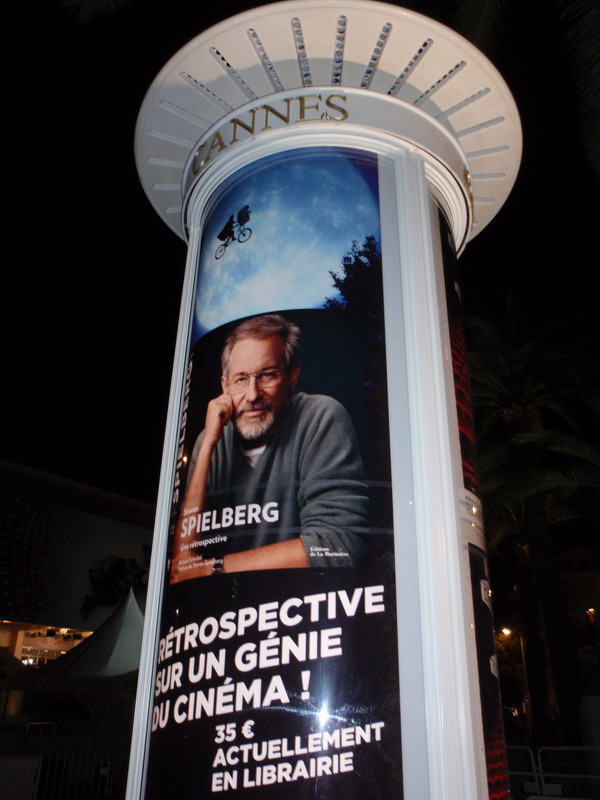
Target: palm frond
482,21
580,20
565,444
86,11
555,486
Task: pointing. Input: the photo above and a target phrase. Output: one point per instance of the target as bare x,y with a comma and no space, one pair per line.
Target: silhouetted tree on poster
360,285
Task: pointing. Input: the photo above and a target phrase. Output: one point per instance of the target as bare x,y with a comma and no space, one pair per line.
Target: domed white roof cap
359,44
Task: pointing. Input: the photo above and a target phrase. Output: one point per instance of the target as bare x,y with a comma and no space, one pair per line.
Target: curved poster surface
277,666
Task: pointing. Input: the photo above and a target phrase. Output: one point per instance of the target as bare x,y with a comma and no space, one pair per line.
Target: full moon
307,206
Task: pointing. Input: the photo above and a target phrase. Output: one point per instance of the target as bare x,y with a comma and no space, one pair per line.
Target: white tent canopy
113,649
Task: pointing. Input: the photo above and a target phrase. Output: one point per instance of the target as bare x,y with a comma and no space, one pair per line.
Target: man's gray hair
262,328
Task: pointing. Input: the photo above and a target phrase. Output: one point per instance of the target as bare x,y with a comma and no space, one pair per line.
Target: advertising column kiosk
318,621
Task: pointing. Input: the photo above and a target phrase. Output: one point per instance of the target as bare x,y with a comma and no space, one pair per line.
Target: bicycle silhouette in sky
235,230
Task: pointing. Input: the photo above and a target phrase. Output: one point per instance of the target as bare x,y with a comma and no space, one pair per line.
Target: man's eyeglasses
264,380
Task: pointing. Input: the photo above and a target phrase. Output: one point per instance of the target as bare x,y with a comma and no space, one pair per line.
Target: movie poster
277,668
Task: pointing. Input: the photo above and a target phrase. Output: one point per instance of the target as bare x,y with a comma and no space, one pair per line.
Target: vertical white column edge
451,755
475,729
415,770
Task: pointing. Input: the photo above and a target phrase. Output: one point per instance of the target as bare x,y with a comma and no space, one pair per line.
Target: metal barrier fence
523,772
576,770
572,773
62,777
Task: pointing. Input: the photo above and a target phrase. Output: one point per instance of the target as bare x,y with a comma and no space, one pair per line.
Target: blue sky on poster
306,206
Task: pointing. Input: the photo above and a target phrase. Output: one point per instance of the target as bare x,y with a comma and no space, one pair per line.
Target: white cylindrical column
318,619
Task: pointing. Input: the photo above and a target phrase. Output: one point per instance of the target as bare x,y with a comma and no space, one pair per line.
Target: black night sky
92,276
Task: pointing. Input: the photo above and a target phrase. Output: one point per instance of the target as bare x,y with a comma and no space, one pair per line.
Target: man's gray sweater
309,482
